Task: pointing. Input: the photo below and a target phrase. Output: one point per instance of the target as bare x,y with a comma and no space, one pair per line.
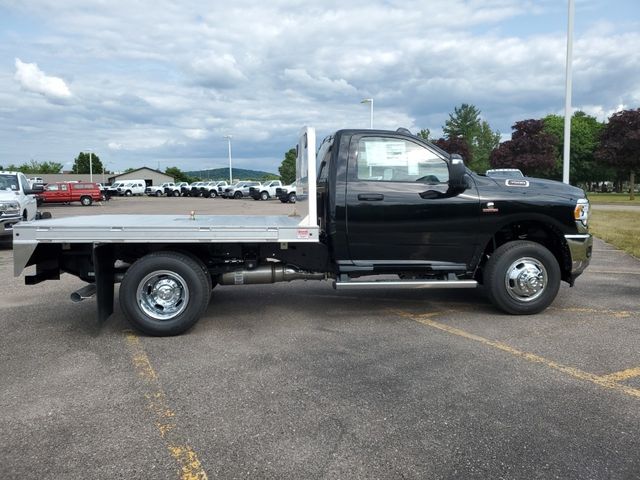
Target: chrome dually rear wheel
165,293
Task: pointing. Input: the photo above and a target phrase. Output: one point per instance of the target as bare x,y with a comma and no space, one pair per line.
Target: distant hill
238,174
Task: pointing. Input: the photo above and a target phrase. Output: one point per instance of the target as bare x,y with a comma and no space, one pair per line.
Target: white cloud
195,133
318,85
219,71
32,79
155,79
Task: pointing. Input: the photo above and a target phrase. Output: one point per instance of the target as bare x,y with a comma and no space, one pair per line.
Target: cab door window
397,160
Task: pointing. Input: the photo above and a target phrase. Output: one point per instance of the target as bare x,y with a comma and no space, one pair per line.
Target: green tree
620,144
179,175
486,142
81,163
425,133
287,168
34,167
585,138
130,169
465,123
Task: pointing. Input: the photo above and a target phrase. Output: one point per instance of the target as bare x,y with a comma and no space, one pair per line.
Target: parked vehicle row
212,189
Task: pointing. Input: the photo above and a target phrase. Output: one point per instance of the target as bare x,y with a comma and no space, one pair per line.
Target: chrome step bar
406,284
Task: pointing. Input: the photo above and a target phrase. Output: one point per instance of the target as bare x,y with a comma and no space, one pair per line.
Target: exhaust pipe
83,293
268,274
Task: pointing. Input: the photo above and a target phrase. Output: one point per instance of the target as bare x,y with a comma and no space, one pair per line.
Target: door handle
370,197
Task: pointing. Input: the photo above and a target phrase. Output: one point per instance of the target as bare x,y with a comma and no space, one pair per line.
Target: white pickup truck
17,201
157,190
266,191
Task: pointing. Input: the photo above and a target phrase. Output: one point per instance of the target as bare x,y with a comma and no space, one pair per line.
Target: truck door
399,206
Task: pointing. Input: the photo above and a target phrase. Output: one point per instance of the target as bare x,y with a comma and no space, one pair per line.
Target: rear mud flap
103,261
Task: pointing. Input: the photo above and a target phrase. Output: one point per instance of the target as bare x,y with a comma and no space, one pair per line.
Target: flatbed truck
375,209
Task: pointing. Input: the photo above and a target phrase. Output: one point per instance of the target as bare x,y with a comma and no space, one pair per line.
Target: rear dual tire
165,293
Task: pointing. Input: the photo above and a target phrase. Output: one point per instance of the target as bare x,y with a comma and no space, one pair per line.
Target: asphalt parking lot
301,381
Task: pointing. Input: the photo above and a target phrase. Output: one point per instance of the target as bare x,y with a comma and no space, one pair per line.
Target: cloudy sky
159,83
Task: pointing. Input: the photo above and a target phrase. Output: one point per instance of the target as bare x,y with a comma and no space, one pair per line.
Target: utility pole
567,96
370,102
228,137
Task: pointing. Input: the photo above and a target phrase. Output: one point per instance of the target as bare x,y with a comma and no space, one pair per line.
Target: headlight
9,207
581,212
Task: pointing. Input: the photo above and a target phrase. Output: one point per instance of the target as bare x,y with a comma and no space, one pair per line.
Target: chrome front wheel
522,277
526,279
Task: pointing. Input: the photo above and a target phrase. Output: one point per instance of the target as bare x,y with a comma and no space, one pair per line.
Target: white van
131,187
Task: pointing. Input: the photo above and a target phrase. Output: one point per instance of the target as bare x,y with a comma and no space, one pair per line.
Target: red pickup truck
64,192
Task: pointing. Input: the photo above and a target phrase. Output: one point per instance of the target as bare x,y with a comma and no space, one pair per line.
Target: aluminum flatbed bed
168,228
176,229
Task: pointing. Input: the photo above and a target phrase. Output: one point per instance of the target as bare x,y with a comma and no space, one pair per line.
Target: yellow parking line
611,272
602,381
164,416
615,313
623,375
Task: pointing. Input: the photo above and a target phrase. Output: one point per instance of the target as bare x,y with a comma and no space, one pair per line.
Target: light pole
90,166
228,137
370,102
567,97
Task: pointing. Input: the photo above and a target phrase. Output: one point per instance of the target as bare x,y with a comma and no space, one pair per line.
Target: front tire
292,198
522,277
128,193
237,195
264,196
165,293
86,201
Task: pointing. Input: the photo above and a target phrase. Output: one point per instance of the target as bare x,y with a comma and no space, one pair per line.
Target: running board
407,284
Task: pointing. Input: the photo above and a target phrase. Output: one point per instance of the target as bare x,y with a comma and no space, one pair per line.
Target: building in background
150,176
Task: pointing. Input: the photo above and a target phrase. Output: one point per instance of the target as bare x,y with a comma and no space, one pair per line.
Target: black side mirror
34,190
457,171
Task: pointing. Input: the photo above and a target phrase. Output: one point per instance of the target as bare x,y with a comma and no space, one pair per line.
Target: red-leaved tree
620,144
530,149
456,145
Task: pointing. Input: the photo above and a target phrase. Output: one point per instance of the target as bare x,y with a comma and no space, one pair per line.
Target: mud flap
103,261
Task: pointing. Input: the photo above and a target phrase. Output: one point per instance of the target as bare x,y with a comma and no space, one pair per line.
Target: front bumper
580,247
7,223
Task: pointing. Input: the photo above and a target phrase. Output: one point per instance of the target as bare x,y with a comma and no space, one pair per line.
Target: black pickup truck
376,209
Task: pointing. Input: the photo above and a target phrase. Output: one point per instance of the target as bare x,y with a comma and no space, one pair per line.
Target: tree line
600,151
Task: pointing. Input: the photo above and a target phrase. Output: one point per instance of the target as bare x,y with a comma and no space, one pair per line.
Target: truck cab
17,201
395,203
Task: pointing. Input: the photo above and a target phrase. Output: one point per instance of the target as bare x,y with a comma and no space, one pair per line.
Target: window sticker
386,154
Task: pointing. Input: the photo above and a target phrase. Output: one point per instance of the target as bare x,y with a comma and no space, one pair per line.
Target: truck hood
541,186
8,195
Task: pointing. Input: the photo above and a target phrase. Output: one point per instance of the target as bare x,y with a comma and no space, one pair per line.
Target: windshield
8,182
